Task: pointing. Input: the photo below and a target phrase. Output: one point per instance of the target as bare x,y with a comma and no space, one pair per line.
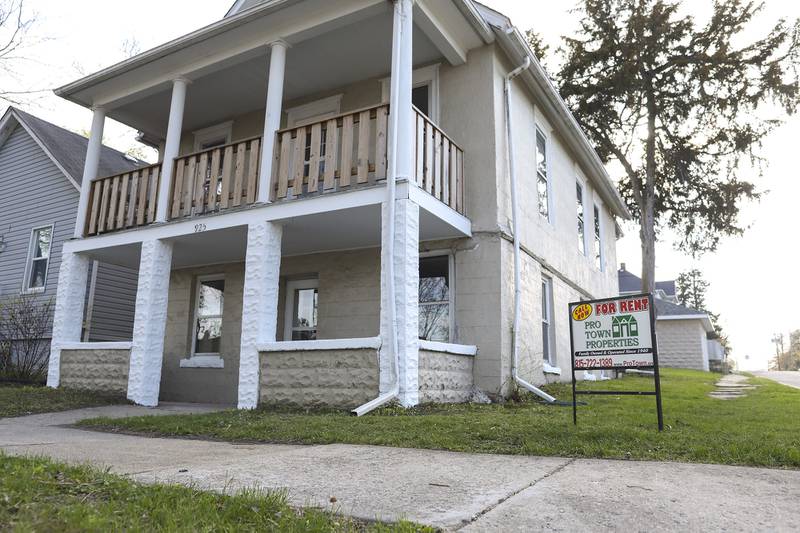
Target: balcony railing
123,201
337,153
216,179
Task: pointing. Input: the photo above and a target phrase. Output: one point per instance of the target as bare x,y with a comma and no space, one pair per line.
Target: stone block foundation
103,370
444,377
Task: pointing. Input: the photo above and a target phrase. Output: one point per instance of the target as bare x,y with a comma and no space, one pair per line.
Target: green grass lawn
40,495
760,429
21,400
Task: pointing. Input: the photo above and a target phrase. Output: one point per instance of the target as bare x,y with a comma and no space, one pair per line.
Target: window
424,92
214,136
302,300
435,298
598,240
542,184
580,216
209,303
38,259
547,321
420,98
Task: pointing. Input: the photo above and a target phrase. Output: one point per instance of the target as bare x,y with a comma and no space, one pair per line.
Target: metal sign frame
657,378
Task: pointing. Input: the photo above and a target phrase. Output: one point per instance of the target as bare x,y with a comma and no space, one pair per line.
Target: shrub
25,323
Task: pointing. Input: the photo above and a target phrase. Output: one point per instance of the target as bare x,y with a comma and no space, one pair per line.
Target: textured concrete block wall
444,377
319,378
97,370
680,343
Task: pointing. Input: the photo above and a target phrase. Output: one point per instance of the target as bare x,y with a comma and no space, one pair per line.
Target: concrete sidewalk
474,492
792,379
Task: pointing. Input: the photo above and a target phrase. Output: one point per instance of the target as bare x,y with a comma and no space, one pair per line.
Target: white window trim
550,359
224,129
314,111
422,76
548,168
26,289
451,288
291,286
597,213
203,360
585,253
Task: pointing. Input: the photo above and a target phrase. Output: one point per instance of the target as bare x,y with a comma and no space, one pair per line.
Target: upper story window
581,218
214,136
425,91
598,239
38,259
435,298
542,179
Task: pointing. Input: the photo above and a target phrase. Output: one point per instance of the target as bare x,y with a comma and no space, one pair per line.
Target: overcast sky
754,279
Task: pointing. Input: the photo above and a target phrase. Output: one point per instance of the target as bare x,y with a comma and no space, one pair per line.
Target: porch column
404,254
259,305
90,166
73,273
149,322
272,118
172,146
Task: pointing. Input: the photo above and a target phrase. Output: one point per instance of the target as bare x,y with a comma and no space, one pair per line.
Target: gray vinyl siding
34,193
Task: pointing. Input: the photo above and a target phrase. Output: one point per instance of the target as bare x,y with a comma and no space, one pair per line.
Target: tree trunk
647,233
648,200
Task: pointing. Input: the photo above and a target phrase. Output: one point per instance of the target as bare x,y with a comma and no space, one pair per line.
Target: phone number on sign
592,362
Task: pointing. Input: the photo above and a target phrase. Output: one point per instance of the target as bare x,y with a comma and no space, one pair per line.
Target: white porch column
172,145
259,305
149,322
90,166
73,274
404,254
272,118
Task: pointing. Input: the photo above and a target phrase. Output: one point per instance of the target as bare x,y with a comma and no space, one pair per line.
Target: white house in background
686,337
331,221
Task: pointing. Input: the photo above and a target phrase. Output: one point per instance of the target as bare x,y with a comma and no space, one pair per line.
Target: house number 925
199,227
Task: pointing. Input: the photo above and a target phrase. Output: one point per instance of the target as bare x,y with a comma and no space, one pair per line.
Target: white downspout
517,283
391,193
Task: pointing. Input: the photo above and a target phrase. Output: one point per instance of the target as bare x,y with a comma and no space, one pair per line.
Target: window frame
288,315
549,359
599,253
419,77
213,133
198,283
451,289
315,111
26,279
581,220
548,174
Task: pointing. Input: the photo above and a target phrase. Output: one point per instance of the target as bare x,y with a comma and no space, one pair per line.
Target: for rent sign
612,333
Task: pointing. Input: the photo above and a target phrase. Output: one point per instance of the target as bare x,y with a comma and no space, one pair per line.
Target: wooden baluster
299,162
227,173
285,165
381,126
200,184
437,164
142,202
101,227
130,218
428,181
177,187
445,193
331,147
188,195
213,187
460,181
363,146
93,215
123,201
238,171
151,208
112,204
252,170
313,158
346,167
420,149
451,200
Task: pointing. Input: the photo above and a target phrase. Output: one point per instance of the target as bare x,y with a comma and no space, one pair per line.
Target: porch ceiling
358,51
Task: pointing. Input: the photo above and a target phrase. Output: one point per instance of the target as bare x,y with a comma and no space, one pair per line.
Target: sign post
614,334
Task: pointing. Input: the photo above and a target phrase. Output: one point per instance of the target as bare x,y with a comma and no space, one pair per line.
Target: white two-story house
334,219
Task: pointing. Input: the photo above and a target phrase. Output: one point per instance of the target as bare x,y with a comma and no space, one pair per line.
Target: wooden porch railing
215,179
123,201
334,154
439,163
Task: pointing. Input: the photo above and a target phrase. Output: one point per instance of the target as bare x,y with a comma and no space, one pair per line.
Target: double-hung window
547,321
435,312
38,259
581,218
542,184
209,306
598,239
302,301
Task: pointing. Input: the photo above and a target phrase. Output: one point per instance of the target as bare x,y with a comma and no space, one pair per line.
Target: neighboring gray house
40,174
686,337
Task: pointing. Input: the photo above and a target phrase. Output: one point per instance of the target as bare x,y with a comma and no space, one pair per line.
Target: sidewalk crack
501,501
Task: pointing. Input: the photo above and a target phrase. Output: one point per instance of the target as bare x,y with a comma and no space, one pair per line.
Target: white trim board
446,347
126,345
322,344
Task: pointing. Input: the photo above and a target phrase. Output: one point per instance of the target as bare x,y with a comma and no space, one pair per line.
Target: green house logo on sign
624,326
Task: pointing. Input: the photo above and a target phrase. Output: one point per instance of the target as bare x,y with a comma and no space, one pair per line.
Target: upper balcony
340,153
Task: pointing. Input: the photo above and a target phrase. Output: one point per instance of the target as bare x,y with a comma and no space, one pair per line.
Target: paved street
787,378
474,492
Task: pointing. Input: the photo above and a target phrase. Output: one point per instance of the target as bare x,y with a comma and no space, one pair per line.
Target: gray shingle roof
666,308
69,149
629,282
